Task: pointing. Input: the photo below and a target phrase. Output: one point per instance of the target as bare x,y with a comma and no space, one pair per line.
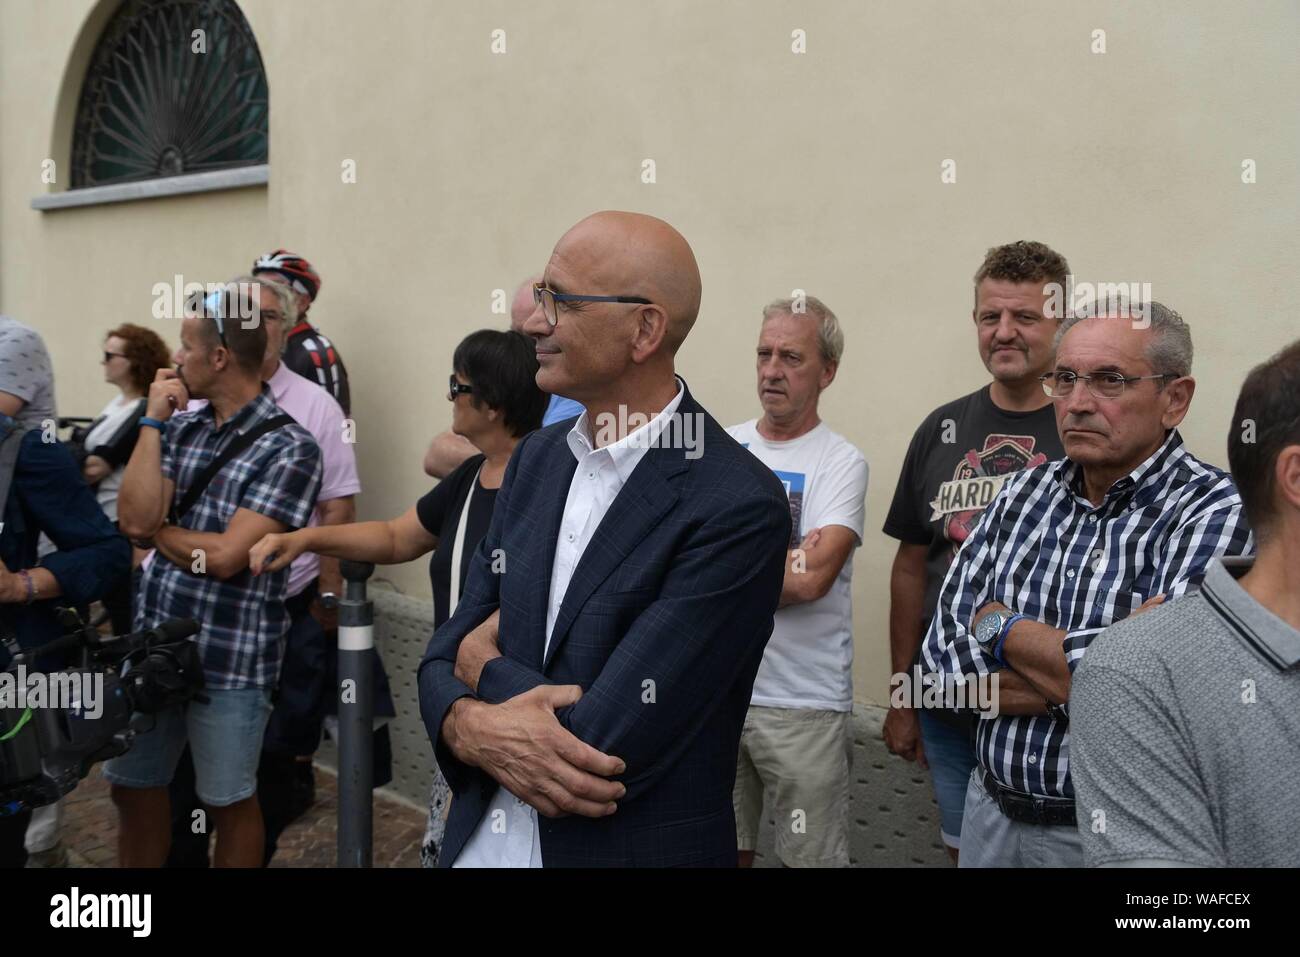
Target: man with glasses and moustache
1129,518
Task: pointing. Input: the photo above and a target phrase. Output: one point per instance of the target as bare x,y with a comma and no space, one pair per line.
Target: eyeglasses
456,388
108,356
1104,385
549,297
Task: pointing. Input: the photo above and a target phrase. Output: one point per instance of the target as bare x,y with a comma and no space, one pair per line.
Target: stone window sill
240,178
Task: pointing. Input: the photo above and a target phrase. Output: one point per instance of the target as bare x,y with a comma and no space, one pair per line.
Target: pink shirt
320,414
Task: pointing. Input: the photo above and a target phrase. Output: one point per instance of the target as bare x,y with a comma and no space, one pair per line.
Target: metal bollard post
356,712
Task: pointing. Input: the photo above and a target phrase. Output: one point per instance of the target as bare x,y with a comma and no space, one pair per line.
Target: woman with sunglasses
132,356
495,403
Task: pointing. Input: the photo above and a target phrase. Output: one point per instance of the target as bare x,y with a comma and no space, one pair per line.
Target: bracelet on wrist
151,422
32,592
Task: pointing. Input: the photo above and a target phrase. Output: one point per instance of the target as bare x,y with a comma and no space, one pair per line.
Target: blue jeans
225,737
950,752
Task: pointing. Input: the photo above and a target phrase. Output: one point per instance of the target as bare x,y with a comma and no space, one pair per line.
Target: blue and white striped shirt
1042,549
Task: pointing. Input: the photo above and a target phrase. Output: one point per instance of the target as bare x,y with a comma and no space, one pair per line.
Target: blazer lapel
556,479
639,506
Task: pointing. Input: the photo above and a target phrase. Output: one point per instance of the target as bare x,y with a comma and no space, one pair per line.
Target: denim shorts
950,753
225,737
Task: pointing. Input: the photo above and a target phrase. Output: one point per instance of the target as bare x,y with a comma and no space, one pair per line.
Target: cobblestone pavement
90,828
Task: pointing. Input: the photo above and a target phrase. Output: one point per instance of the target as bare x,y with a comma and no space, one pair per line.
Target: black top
953,469
117,448
311,355
439,512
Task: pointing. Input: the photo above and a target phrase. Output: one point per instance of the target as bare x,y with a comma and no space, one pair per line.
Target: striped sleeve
1213,527
949,647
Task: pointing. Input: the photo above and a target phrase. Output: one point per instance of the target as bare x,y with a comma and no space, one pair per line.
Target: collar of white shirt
628,451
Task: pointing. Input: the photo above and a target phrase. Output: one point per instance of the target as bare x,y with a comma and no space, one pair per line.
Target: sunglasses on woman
458,388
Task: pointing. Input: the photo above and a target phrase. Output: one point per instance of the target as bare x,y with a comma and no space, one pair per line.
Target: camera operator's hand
12,588
275,551
167,394
27,584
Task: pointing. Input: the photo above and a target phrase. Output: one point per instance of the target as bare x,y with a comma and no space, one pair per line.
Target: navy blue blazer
49,495
663,626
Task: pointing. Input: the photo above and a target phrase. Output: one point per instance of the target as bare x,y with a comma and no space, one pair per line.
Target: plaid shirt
1042,549
243,619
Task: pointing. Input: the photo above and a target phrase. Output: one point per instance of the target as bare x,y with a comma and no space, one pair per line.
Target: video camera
55,725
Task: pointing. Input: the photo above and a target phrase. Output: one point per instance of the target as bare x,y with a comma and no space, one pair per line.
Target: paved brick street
90,829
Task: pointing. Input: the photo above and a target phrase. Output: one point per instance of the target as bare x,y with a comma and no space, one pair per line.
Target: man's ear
651,329
828,373
1286,475
220,357
1179,393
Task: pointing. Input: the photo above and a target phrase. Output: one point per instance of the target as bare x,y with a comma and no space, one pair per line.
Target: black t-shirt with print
956,463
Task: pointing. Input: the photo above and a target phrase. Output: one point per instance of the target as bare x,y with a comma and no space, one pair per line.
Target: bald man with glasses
586,706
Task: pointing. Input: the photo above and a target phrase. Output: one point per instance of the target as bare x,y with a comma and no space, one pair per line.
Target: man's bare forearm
189,549
906,611
476,650
140,505
1016,695
447,451
1037,653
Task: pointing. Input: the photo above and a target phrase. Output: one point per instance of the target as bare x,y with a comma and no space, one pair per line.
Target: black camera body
45,750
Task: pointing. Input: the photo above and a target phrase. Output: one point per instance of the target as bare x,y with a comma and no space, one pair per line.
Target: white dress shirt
507,835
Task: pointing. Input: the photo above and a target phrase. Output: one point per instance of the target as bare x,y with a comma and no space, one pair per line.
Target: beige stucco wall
819,171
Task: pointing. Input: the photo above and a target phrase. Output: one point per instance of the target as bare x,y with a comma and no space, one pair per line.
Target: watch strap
1001,640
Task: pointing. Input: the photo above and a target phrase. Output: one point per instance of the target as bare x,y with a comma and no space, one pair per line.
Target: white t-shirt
115,415
808,663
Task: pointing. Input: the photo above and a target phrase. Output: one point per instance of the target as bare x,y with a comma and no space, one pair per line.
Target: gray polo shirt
25,371
1185,734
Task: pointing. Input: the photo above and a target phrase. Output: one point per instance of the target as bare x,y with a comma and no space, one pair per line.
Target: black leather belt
1028,809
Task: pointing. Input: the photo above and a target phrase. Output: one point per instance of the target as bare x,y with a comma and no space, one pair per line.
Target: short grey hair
287,298
1170,349
830,339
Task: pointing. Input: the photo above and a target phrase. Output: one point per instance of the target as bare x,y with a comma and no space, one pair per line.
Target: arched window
173,87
